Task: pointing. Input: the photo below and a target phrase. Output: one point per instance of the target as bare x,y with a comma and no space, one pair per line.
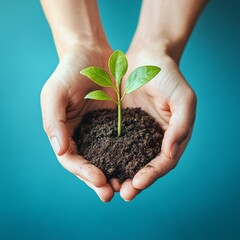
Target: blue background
200,199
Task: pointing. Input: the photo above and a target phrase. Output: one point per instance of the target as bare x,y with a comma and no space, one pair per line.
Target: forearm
168,23
74,22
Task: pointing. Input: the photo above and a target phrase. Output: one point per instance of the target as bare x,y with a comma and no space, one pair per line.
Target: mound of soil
118,157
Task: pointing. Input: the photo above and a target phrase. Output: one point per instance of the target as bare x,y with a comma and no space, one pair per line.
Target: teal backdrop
200,199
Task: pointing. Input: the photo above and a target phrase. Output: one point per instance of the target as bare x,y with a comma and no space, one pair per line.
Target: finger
105,193
79,166
116,185
180,124
157,168
128,191
53,103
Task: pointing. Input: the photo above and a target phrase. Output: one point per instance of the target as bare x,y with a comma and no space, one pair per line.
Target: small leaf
98,75
118,65
140,76
99,95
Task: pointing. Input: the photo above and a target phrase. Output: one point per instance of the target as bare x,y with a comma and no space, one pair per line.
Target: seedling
118,65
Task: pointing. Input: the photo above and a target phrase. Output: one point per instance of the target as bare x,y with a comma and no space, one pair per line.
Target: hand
172,102
63,106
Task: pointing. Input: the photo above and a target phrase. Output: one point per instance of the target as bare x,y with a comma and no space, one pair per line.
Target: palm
155,96
76,86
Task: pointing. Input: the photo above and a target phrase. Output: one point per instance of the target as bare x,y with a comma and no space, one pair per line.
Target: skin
81,42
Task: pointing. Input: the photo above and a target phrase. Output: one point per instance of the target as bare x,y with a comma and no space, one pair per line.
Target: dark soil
118,157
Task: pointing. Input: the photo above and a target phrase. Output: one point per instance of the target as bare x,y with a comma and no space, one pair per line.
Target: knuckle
47,126
192,97
43,91
185,127
42,94
185,130
174,165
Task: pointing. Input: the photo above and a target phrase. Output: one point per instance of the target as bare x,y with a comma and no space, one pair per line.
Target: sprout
118,65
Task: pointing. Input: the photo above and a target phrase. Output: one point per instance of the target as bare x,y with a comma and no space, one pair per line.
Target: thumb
53,103
180,127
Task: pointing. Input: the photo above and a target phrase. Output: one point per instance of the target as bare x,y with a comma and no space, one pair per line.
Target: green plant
118,65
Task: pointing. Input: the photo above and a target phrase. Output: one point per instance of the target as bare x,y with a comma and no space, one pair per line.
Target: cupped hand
172,102
63,105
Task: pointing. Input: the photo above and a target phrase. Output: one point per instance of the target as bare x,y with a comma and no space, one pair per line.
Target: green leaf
98,75
140,76
118,65
99,95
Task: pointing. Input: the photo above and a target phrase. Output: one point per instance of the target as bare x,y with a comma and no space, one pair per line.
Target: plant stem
119,112
119,119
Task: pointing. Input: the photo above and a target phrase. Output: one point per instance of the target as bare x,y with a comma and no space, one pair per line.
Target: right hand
172,102
63,105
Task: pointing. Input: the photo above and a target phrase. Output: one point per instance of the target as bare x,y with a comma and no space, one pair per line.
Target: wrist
74,22
161,46
69,40
167,24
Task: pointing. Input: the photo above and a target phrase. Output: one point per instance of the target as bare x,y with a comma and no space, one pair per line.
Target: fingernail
174,150
55,145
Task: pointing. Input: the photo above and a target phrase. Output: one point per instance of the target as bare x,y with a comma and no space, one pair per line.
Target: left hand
172,102
63,105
